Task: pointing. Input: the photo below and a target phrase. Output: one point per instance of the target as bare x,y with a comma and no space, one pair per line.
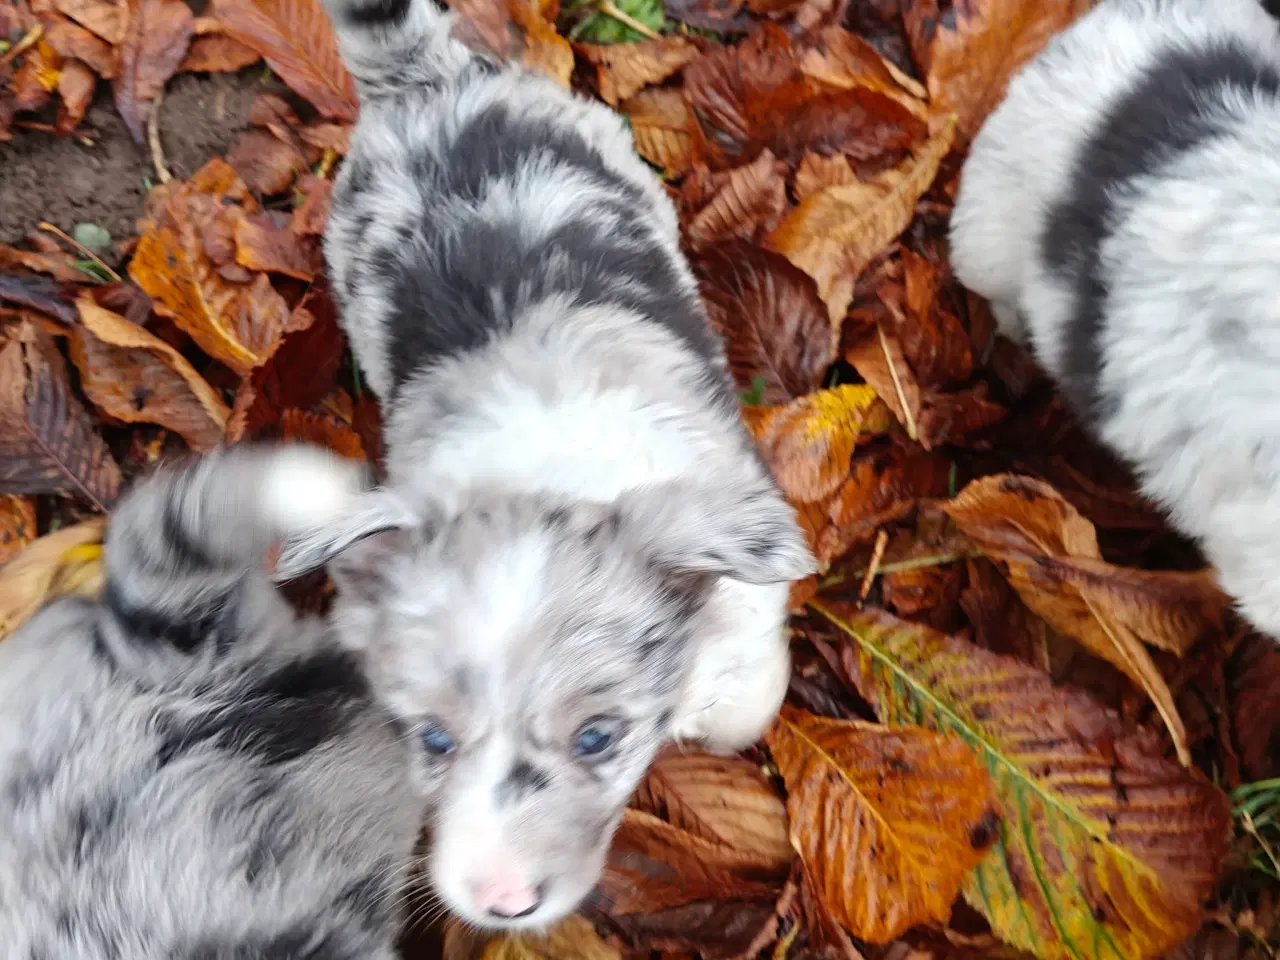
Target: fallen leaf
952,417
573,938
17,525
889,821
37,78
73,41
1104,848
744,203
38,293
321,430
624,69
311,215
835,233
1254,677
879,360
105,19
809,443
57,265
517,31
48,443
769,314
262,246
65,563
218,53
76,84
265,163
1051,557
156,37
136,377
817,172
297,40
845,60
237,324
972,53
662,128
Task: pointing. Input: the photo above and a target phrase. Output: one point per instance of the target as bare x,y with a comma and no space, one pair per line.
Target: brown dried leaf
37,78
105,19
845,60
809,443
888,821
624,69
817,172
237,324
71,40
573,938
322,430
296,38
266,163
311,215
68,562
1051,557
17,525
136,377
48,442
57,265
662,127
833,234
157,35
744,203
218,53
518,31
76,85
260,245
879,360
1254,671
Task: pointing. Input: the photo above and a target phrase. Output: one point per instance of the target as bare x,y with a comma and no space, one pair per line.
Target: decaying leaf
47,439
66,562
136,377
516,30
742,204
296,38
104,18
76,84
571,939
72,40
662,128
239,324
156,37
624,69
809,442
1050,554
260,245
17,525
833,234
1104,849
266,163
889,821
218,53
321,430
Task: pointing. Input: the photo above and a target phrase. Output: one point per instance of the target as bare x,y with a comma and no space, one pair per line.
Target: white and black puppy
186,770
1121,210
592,558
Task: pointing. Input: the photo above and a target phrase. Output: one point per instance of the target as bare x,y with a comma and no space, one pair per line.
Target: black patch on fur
92,823
186,552
1162,117
150,626
278,717
443,285
522,780
378,13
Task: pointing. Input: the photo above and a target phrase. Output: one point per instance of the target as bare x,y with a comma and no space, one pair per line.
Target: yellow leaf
888,821
834,233
66,562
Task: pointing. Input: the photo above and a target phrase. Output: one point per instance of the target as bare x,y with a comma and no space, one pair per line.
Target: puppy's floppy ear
741,529
355,544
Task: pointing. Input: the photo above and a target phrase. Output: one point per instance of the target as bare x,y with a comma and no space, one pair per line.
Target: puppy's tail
395,45
181,544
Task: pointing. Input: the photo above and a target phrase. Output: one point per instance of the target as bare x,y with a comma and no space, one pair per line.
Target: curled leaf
66,562
157,35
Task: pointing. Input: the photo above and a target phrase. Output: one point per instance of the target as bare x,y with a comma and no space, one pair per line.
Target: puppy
583,554
1121,210
186,770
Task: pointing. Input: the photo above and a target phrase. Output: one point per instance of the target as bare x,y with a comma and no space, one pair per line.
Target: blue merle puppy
187,771
585,556
1121,210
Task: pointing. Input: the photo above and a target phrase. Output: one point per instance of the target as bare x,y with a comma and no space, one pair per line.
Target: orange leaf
297,40
218,53
17,525
879,360
105,19
71,40
1051,557
889,822
845,60
322,430
76,85
624,69
834,233
157,35
817,172
662,128
267,163
136,377
743,203
262,246
237,324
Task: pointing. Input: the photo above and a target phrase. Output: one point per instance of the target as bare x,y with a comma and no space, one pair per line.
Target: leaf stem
79,247
609,9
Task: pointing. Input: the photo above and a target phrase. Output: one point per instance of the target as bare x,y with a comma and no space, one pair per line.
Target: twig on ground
609,9
912,432
79,248
153,139
877,554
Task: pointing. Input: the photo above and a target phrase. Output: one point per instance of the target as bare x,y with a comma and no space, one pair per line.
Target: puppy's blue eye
436,740
593,740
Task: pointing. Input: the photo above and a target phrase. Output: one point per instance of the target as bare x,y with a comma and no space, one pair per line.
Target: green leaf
1106,849
599,27
92,237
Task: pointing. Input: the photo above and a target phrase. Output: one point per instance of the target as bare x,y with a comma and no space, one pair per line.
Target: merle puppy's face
536,654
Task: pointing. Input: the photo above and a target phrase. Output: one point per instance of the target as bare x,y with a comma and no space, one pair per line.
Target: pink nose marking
505,893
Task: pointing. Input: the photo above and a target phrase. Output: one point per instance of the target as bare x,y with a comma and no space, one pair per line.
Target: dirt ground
65,181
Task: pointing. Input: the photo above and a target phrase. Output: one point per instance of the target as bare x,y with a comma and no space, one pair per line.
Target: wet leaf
809,443
889,821
817,172
38,293
322,430
296,38
743,204
835,233
265,163
48,442
156,37
17,525
1104,848
136,377
624,69
262,246
105,19
218,53
769,313
239,324
845,60
662,128
37,78
1254,672
1051,557
879,360
71,40
68,562
76,84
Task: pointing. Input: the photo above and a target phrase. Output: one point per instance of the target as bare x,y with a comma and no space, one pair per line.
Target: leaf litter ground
1022,718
